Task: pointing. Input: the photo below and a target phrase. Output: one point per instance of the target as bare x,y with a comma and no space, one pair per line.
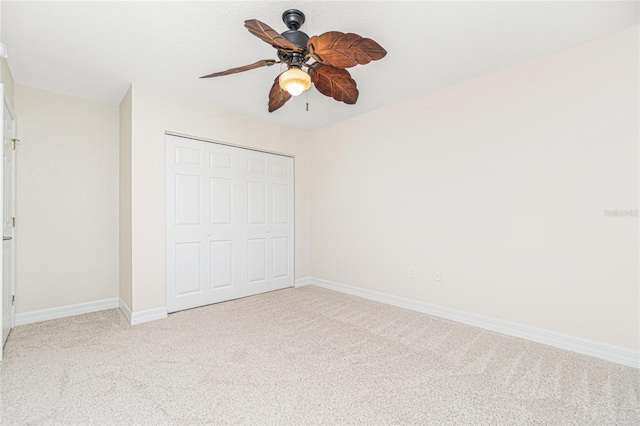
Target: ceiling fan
325,58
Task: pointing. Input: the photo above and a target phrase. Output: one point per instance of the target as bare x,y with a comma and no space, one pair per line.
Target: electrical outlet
437,276
412,273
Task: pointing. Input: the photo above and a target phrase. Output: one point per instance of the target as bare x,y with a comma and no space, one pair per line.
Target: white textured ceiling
95,49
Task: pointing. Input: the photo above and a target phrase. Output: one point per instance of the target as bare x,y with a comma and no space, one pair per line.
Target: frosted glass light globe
295,81
294,88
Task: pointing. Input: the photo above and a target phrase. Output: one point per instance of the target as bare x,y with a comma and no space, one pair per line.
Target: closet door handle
7,238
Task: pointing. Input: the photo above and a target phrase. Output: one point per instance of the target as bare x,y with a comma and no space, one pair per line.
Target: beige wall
501,183
125,288
155,112
6,78
67,200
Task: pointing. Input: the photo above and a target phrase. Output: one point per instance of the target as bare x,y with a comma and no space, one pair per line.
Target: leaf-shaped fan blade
335,83
268,34
262,63
277,96
344,50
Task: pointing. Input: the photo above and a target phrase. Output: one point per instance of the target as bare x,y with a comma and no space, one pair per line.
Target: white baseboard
148,315
65,311
85,308
125,310
301,282
617,354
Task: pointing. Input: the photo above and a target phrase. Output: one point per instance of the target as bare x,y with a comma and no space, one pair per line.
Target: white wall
67,200
155,112
501,183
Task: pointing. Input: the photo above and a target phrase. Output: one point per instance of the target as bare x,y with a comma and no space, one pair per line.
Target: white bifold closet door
230,222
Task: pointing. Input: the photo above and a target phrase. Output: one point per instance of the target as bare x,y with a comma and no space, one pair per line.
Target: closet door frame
205,294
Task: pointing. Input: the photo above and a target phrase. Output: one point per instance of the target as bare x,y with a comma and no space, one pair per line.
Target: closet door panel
281,222
221,253
220,200
188,268
256,226
187,252
223,234
230,220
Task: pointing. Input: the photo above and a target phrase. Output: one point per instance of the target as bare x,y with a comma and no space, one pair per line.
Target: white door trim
1,221
3,301
7,103
250,148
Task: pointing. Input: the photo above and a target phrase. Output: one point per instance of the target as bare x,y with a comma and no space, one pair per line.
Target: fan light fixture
295,81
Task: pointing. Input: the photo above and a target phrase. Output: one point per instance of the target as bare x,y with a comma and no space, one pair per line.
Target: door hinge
13,222
13,299
13,143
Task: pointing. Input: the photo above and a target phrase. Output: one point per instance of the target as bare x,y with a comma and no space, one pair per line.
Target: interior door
269,229
8,219
255,232
281,224
187,256
223,228
229,222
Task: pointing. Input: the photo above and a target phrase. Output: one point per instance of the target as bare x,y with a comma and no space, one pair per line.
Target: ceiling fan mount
293,19
325,58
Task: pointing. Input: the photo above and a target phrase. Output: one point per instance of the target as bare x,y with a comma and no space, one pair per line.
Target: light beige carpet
301,356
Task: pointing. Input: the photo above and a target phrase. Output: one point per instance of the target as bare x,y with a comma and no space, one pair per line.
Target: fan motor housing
298,38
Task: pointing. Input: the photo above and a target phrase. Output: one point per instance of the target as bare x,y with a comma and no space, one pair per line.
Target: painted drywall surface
155,112
501,184
124,240
6,78
67,200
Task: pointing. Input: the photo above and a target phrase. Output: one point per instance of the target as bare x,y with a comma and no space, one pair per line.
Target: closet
230,222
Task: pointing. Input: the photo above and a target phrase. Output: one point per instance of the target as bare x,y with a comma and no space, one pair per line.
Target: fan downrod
294,19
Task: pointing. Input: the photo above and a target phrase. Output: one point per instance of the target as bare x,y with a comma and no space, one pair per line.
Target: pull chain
307,99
